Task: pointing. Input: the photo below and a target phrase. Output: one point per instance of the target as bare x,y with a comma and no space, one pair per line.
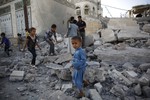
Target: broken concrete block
120,46
93,64
131,74
29,77
144,81
137,89
65,74
49,59
94,95
145,66
119,90
146,91
68,65
128,66
59,95
84,98
63,58
88,40
17,76
148,71
66,86
22,89
98,87
128,82
148,42
100,75
54,66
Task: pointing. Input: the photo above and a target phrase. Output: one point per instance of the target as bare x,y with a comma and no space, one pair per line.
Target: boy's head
18,34
32,31
79,18
26,29
76,42
2,34
53,28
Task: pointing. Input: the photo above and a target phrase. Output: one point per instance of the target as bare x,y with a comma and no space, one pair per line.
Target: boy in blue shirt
79,64
5,41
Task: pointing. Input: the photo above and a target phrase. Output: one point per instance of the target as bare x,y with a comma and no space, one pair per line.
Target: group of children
78,60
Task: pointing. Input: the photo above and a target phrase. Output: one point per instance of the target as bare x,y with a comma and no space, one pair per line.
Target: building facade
42,15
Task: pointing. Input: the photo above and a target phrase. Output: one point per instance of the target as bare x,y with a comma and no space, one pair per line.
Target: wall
44,14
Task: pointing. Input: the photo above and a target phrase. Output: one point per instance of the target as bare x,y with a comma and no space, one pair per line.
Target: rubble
94,95
17,76
98,87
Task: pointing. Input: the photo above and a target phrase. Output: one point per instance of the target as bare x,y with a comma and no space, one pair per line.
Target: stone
29,77
108,35
22,89
59,95
131,74
97,43
90,74
129,98
148,42
128,66
49,59
68,65
98,87
17,76
84,98
144,66
100,75
119,90
54,66
137,90
148,71
89,40
93,64
128,82
120,46
146,91
65,74
66,86
57,86
135,56
104,64
144,81
63,58
94,95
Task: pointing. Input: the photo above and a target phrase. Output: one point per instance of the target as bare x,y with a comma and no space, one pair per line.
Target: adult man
82,25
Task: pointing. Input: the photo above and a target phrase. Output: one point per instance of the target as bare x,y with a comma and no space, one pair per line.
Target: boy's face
33,32
53,29
76,43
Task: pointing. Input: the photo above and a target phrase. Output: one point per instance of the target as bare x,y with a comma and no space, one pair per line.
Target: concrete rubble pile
117,70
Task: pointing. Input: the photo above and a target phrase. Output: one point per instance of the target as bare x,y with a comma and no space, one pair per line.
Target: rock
144,81
129,98
97,43
22,89
144,66
29,77
108,35
57,86
90,74
65,74
146,91
128,82
100,75
93,64
68,65
98,87
84,98
120,46
148,42
128,66
132,55
146,28
66,86
137,89
63,58
17,76
148,71
59,95
119,90
131,74
104,64
50,59
94,95
89,40
54,66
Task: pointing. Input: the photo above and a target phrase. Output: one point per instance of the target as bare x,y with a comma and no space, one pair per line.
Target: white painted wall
44,14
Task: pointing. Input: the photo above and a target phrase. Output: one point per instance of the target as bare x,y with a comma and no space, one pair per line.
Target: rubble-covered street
116,71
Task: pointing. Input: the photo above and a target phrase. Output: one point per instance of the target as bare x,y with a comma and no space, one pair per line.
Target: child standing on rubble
31,42
79,64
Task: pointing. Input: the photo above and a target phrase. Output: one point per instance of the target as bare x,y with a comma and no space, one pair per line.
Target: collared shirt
79,59
5,41
81,24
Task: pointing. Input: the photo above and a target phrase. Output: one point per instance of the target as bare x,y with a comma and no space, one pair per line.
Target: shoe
80,95
85,83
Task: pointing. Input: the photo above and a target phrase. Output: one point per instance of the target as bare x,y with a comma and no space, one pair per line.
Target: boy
31,42
6,41
79,64
50,40
20,42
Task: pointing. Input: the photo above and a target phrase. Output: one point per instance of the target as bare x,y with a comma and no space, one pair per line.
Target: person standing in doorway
82,25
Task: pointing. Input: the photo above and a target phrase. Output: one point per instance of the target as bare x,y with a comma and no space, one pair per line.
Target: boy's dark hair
2,34
79,17
31,29
77,38
26,29
75,21
71,18
53,26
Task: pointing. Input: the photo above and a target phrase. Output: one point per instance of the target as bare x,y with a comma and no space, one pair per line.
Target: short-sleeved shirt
5,41
81,24
31,42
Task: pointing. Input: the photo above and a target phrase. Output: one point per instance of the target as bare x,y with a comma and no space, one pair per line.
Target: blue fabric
5,41
79,65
